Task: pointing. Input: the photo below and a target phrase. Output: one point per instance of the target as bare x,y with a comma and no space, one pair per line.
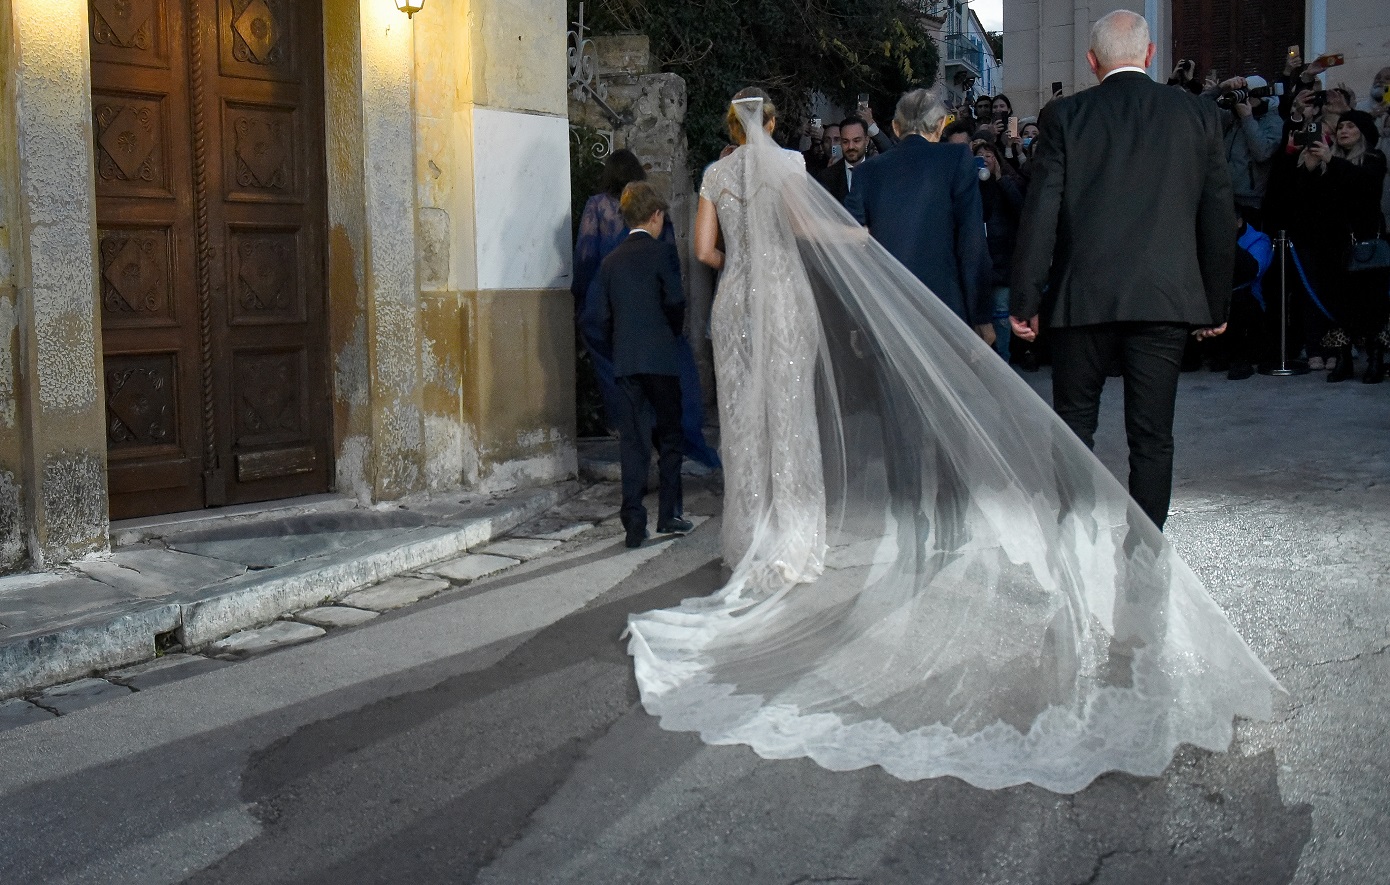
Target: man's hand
1208,332
986,331
1233,83
866,114
1026,330
1243,110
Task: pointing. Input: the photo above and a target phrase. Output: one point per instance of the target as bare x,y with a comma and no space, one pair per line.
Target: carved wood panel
259,156
131,132
132,32
136,276
271,399
141,402
260,39
208,136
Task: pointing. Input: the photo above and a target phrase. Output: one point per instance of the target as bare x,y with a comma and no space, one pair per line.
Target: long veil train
991,604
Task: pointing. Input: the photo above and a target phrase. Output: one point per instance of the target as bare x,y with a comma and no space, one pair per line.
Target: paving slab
472,567
17,712
270,544
520,548
29,606
334,617
80,694
152,572
550,528
253,642
164,670
394,593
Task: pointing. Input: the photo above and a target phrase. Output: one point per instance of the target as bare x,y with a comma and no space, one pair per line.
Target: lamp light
410,7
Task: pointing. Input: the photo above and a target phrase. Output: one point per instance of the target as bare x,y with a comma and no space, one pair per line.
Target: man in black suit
838,177
637,312
921,200
1126,246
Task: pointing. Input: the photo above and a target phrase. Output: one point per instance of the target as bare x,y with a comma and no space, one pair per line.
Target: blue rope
1307,286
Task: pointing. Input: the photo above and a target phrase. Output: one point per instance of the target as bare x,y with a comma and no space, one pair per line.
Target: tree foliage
791,48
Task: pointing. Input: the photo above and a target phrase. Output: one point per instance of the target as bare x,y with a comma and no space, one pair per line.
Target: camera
1233,97
1317,99
1310,134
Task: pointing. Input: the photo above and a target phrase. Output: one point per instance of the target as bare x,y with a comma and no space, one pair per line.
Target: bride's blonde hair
736,125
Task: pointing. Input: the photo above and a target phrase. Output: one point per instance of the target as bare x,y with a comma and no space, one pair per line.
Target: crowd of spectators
1305,161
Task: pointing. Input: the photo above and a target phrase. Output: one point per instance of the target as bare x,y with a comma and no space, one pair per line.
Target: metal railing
960,49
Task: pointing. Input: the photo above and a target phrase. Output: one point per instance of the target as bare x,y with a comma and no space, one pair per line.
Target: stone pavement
191,581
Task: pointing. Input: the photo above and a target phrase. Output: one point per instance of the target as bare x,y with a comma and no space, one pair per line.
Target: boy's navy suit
637,313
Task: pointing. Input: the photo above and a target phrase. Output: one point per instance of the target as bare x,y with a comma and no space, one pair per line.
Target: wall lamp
410,7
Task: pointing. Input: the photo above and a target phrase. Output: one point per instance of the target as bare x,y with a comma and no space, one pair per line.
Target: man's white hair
1120,38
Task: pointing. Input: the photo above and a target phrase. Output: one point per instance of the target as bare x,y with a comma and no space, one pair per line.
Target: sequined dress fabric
765,335
930,572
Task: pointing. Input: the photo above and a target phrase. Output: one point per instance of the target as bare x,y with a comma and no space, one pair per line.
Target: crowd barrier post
1284,366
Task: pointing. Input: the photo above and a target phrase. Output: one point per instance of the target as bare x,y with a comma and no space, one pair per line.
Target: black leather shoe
1239,371
1345,368
675,526
635,538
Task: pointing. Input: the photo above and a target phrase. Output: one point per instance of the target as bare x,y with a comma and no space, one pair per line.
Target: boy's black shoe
636,536
676,526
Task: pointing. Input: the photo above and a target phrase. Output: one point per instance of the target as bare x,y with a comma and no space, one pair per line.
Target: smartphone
863,100
1056,88
1013,127
1330,60
1294,51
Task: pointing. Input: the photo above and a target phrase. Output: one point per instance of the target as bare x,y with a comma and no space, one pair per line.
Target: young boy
637,311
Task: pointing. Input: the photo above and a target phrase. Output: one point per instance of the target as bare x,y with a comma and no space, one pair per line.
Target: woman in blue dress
601,229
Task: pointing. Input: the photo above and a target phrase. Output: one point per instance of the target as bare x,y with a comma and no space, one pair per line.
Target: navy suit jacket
921,200
636,308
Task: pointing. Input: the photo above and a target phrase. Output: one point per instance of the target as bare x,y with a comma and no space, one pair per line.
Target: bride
930,572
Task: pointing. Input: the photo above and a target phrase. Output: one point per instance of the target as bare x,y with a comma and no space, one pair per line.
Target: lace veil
975,594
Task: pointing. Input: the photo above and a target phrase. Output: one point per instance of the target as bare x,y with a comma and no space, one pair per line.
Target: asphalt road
493,734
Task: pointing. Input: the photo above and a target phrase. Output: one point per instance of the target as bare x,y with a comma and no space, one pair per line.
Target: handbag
1373,254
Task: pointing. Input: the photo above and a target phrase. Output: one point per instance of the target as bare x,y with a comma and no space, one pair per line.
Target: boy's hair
640,200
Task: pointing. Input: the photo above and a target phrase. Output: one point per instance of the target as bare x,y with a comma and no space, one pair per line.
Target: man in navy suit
636,311
921,200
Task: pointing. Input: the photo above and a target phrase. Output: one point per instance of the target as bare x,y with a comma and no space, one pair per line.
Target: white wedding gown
930,572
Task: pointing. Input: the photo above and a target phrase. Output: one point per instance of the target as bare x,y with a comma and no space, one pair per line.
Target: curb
252,600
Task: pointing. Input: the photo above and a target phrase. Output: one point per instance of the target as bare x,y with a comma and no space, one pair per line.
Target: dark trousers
1151,356
663,393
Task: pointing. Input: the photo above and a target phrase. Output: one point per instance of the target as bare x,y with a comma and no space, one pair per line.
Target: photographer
1002,202
1185,76
1328,198
1253,135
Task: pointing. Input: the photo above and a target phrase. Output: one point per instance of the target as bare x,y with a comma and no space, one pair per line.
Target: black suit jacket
921,200
637,307
834,179
1129,215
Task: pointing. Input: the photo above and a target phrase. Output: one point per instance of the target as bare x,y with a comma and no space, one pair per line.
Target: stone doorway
210,181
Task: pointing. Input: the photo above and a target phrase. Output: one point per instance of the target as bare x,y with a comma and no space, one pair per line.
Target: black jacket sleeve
1216,219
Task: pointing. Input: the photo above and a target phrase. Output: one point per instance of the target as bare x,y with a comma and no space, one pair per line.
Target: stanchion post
1283,367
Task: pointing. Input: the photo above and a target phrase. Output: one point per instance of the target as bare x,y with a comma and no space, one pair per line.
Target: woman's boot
1344,368
1375,364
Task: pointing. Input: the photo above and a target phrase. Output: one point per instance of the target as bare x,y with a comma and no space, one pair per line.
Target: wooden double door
209,148
1237,38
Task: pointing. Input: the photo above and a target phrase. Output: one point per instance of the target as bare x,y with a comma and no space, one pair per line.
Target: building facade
1046,42
260,249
